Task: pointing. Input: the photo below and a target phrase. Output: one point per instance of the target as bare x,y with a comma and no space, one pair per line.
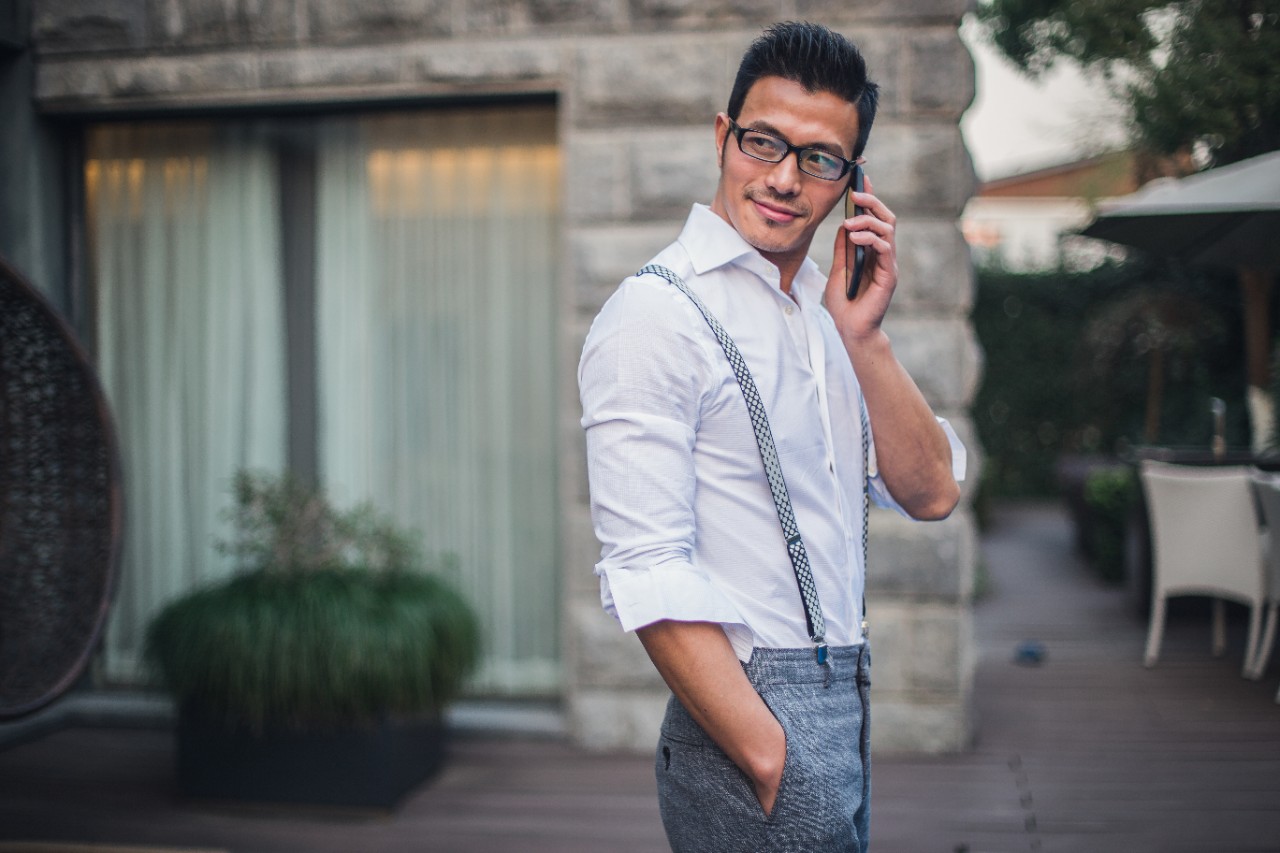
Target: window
369,300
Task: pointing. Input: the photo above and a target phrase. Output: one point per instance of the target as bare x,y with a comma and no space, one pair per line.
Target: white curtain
436,256
185,259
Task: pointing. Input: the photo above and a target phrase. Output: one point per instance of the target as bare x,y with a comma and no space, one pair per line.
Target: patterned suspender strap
772,467
866,506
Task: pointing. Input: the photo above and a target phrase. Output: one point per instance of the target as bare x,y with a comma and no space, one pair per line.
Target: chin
766,236
776,240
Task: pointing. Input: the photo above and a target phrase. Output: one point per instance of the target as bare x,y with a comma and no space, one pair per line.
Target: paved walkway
1087,752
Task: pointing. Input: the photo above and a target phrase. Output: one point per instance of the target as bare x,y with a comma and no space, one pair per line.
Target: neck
788,262
787,266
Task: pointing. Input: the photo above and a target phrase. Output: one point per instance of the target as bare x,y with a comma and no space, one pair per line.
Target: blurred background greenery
1096,362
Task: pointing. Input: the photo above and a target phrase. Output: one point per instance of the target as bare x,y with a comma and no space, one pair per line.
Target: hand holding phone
851,210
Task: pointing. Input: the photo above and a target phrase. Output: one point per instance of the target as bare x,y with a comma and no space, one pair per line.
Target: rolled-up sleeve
880,493
641,379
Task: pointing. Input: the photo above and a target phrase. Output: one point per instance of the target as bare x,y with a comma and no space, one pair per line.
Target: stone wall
637,84
32,189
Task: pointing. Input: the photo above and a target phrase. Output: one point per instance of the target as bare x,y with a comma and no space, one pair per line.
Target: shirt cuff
959,456
880,493
674,591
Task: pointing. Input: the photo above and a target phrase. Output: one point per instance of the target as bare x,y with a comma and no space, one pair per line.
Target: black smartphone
859,252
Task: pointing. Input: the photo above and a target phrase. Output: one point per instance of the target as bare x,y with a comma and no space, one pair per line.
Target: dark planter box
369,767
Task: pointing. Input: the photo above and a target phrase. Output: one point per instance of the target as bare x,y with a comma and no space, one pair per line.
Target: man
764,746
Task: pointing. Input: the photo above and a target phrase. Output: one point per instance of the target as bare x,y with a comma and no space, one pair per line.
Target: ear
722,136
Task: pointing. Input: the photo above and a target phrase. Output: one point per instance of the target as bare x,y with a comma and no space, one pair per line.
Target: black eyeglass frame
738,132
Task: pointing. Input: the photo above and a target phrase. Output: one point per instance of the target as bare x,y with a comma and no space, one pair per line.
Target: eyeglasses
772,149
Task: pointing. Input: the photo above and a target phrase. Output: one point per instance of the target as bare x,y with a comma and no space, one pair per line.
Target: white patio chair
1205,541
1267,489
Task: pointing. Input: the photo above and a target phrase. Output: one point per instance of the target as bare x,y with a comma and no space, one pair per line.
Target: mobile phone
851,210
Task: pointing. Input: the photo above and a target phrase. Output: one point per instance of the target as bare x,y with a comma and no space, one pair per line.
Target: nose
784,177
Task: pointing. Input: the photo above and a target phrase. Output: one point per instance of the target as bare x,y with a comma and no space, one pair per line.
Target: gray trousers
709,806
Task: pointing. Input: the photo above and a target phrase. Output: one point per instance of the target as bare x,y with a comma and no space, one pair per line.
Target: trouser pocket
707,803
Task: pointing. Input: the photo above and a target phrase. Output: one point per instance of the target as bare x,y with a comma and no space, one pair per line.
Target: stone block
596,177
940,643
141,79
573,468
61,83
676,80
832,12
687,14
605,655
577,15
602,257
920,168
491,17
671,169
332,69
617,720
941,355
63,26
935,271
905,726
940,73
921,560
203,23
343,22
216,74
581,552
920,652
494,65
881,47
890,635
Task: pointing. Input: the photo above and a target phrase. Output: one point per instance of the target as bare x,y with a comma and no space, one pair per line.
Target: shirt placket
808,337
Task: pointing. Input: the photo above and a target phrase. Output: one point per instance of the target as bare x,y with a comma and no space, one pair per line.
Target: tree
1198,75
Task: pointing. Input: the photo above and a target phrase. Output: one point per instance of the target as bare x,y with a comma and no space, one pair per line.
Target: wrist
766,760
870,344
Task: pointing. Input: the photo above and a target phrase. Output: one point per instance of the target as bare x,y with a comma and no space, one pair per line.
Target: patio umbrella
1225,217
1228,216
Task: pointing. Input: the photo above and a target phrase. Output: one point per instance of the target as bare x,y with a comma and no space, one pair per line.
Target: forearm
912,451
698,664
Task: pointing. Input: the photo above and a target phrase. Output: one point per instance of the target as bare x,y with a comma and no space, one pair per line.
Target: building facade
1030,220
366,240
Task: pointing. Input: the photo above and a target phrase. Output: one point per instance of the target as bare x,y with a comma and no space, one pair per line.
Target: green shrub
1071,358
1110,495
332,621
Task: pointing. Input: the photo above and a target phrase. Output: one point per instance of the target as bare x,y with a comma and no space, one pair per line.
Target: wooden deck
1087,752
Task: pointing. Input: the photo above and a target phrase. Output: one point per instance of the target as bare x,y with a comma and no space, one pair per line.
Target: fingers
874,227
875,234
871,205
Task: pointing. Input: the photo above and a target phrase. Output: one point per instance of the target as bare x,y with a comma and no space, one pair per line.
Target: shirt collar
712,243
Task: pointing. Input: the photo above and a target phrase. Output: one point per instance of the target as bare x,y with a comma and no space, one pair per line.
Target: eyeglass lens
771,149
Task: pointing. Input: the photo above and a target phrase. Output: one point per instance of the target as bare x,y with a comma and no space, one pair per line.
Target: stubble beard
775,238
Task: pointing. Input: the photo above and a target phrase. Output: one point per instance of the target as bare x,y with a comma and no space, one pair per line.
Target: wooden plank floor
1087,752
1090,751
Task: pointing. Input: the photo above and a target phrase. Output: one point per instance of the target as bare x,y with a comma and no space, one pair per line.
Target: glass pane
184,260
437,242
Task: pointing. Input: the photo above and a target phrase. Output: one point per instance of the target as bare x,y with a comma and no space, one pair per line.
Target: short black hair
819,60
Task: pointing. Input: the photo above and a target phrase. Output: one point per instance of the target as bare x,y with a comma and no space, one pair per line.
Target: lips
775,212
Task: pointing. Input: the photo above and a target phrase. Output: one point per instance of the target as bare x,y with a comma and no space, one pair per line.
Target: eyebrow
765,127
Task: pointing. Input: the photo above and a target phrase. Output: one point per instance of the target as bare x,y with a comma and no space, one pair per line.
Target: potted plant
318,672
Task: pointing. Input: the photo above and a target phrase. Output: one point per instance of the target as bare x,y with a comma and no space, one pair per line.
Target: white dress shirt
679,497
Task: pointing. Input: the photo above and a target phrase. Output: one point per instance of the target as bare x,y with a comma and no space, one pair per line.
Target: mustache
773,199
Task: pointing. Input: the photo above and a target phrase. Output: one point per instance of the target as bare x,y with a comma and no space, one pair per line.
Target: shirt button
789,310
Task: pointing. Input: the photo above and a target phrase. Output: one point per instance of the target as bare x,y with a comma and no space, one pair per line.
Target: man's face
775,206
